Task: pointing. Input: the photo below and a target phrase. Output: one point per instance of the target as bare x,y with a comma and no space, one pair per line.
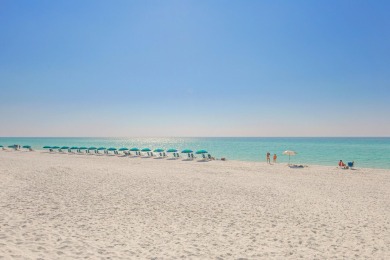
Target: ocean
365,152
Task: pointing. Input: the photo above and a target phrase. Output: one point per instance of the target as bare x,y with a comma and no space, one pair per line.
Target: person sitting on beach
342,164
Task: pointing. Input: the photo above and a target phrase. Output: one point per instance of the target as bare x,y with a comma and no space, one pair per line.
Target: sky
194,68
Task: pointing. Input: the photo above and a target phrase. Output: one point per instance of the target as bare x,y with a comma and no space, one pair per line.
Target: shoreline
326,151
195,160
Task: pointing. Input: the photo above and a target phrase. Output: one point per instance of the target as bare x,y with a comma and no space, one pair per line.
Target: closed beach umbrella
187,151
171,150
158,150
201,151
289,153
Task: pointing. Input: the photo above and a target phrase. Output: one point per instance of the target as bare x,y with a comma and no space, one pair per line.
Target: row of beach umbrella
114,150
15,146
123,149
134,149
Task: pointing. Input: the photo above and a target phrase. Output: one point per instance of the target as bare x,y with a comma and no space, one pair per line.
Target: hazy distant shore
86,206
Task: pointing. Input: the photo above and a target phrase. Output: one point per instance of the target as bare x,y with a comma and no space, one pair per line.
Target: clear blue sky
194,68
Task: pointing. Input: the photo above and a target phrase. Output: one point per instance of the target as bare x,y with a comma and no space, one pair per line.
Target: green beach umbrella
55,147
187,151
171,150
74,147
47,147
26,146
134,149
92,148
101,148
158,150
201,151
1,146
83,148
123,149
11,146
146,150
111,149
65,147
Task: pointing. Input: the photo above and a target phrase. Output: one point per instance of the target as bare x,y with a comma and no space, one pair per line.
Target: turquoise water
366,152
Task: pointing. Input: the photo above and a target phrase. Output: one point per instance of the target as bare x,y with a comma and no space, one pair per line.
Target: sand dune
59,206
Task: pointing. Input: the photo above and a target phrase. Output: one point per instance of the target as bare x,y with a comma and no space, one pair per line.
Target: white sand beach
60,206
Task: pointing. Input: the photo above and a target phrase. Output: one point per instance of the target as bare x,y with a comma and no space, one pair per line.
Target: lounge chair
351,165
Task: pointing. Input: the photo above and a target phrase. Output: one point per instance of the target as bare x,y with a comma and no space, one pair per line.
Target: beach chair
351,165
210,157
203,158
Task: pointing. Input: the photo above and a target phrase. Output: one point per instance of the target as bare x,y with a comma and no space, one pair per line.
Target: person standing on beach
268,158
275,157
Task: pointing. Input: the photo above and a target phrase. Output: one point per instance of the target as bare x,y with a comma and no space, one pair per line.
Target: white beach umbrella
289,153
